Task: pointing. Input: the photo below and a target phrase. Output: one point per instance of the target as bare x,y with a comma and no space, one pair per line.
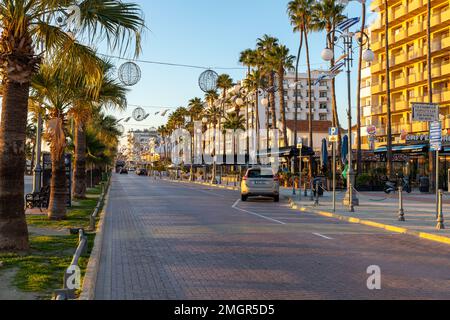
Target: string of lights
171,64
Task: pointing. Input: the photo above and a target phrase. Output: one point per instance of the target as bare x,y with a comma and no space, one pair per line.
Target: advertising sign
425,112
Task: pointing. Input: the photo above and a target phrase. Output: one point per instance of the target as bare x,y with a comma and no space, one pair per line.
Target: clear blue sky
210,33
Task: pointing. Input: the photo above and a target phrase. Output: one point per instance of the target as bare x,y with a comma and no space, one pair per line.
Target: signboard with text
425,112
436,136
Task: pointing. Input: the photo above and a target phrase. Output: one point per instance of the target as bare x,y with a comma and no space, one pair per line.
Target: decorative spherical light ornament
139,114
240,102
208,80
121,129
327,54
368,55
129,74
265,102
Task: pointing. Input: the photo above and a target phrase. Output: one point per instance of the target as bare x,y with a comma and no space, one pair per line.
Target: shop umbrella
344,150
324,153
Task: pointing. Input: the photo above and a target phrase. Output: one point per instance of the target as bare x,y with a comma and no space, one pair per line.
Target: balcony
367,111
399,59
400,82
397,15
377,44
397,128
435,20
445,96
400,35
445,42
418,53
416,29
419,127
400,105
414,5
445,16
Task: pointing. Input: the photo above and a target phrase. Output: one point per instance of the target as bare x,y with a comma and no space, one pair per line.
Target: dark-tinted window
255,174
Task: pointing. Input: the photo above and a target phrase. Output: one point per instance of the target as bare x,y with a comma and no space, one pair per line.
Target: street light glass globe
265,102
327,54
239,102
368,55
205,120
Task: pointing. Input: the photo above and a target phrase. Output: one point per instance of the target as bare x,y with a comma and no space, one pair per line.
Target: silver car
260,182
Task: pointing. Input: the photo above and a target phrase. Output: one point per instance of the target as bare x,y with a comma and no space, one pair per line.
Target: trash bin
424,184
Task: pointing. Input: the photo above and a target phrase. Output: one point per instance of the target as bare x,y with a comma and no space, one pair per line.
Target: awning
410,148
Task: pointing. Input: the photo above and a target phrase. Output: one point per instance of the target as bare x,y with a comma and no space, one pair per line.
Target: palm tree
432,155
326,15
112,95
248,58
26,24
56,93
300,13
225,83
358,96
252,83
388,91
265,46
234,121
281,60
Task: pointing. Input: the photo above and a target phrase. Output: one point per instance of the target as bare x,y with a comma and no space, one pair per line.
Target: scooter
391,186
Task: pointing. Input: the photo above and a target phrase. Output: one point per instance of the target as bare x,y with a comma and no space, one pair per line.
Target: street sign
425,112
372,130
333,134
436,136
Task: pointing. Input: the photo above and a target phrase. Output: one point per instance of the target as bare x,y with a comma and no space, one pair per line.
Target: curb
207,184
90,277
421,235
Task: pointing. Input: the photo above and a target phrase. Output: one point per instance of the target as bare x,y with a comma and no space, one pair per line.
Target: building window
323,106
324,94
323,117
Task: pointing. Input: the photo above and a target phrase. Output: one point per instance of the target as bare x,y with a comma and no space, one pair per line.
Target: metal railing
72,275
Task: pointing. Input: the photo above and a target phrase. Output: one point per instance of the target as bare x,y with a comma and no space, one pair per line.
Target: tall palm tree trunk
358,99
272,100
282,106
432,155
13,227
311,141
388,93
58,188
79,172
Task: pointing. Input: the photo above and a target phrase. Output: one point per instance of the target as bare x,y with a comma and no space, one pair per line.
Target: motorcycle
392,186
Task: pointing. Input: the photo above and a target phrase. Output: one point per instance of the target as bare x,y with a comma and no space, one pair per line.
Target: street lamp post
37,172
347,38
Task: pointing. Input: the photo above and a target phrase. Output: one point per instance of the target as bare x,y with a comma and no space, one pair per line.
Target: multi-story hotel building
408,64
321,108
408,73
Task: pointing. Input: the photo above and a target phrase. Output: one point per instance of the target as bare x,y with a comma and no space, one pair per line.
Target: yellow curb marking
422,235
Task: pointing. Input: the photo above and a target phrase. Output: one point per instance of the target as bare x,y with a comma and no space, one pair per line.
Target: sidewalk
382,211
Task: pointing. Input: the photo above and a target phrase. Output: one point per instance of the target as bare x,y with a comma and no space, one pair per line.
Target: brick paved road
165,240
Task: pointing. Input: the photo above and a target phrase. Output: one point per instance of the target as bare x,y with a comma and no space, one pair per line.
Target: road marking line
322,236
255,214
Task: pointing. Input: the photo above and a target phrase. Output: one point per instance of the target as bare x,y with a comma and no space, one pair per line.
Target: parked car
260,182
141,172
124,171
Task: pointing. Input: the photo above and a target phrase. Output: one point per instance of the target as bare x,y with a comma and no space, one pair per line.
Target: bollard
311,183
440,221
306,189
401,211
316,202
350,193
